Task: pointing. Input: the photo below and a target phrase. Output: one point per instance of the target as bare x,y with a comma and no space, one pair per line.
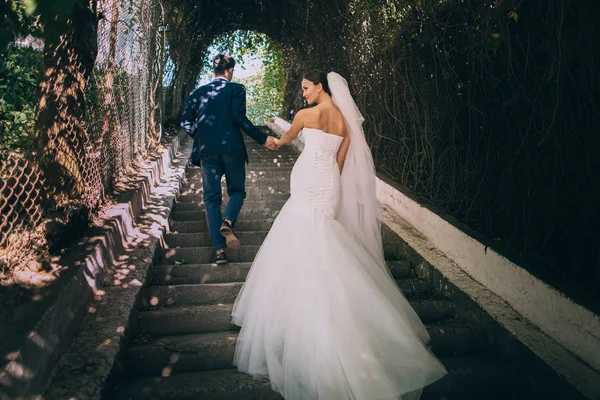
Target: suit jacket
214,116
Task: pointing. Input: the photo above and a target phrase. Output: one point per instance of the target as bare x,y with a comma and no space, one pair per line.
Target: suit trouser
213,169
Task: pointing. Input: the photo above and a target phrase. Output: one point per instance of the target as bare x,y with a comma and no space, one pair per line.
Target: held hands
271,143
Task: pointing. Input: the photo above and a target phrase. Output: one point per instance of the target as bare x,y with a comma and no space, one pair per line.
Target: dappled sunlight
121,274
17,371
41,342
168,369
112,98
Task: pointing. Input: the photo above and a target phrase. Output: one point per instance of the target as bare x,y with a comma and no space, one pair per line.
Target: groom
214,116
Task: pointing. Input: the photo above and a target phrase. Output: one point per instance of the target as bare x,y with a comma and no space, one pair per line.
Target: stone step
279,186
262,196
255,169
199,273
255,149
261,152
217,317
469,378
252,168
266,164
252,187
476,377
276,175
216,293
267,157
199,294
275,172
207,385
174,274
245,214
256,182
261,161
188,319
253,144
248,205
205,254
183,353
201,352
202,239
193,298
257,164
252,193
456,338
251,178
258,161
240,226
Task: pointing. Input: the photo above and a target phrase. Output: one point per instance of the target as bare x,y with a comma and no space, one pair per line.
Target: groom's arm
188,119
238,114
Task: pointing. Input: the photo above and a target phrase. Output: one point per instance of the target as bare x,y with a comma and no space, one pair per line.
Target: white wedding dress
319,316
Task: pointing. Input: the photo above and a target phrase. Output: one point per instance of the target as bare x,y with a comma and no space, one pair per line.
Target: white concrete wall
573,326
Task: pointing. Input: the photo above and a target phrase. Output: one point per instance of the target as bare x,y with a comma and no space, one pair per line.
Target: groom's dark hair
222,62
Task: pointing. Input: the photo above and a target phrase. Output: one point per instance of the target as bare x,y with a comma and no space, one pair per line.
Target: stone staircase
185,341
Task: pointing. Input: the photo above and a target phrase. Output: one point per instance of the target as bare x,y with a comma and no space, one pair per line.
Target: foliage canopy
265,87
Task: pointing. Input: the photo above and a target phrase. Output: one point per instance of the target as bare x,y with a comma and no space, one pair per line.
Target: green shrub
19,79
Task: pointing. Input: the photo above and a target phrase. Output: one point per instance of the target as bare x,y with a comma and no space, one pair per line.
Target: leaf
495,35
513,14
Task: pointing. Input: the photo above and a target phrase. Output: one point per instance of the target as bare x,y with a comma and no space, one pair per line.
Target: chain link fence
121,125
126,87
20,186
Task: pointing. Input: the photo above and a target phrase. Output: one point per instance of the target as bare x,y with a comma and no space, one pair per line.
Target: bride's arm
342,151
294,130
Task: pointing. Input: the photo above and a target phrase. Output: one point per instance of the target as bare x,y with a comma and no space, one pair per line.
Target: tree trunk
62,145
156,63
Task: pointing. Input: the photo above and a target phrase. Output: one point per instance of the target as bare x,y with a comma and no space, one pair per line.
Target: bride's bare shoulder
309,114
337,121
336,111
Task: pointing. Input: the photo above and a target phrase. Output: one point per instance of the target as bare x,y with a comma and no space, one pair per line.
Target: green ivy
19,78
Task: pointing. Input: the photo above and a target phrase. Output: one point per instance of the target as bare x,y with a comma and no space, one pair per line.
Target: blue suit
214,116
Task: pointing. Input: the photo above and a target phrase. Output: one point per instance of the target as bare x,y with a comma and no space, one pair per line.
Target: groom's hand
270,143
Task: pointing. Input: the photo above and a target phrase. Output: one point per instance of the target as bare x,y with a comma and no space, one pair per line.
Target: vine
485,108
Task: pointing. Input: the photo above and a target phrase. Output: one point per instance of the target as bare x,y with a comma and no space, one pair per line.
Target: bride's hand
277,143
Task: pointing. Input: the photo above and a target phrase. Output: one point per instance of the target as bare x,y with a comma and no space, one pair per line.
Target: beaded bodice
315,180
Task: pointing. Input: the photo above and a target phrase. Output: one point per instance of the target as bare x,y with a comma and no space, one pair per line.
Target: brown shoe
233,242
221,258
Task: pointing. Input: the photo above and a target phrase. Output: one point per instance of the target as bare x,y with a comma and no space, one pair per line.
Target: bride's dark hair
317,76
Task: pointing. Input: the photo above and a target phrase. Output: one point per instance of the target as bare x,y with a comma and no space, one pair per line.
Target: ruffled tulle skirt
324,322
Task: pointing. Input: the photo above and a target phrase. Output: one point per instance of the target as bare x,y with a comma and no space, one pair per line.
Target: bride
320,313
